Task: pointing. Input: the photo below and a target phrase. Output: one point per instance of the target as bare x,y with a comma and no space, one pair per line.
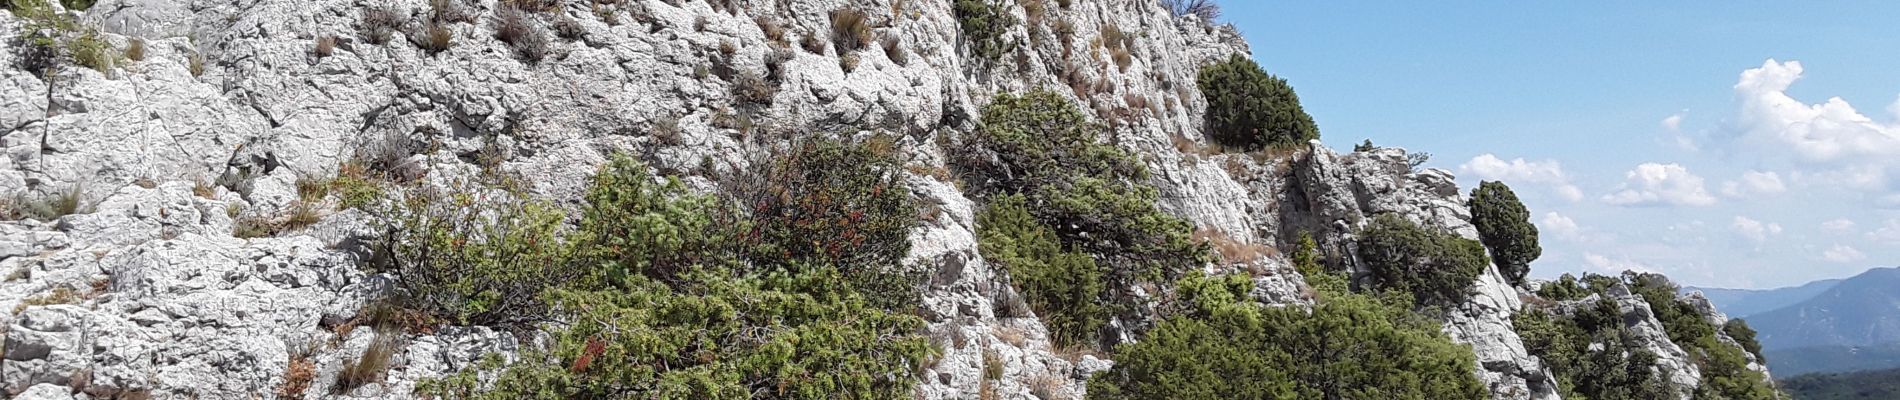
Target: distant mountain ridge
1809,360
1740,303
1859,311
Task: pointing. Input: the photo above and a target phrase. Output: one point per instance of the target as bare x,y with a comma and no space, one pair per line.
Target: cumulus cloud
1673,122
1548,172
1844,146
1558,224
1754,183
1841,253
1755,231
1889,233
1652,184
1840,226
1614,266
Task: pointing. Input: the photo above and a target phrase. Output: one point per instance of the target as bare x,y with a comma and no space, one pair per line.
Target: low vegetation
850,30
672,294
1092,195
1574,344
47,39
1063,286
1435,267
1250,109
1863,385
1350,346
984,24
1724,367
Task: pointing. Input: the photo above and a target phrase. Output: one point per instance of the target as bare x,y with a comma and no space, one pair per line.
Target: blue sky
1642,135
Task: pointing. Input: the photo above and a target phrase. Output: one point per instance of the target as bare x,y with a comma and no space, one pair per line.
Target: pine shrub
1065,287
1349,346
1504,226
984,23
1435,267
1250,109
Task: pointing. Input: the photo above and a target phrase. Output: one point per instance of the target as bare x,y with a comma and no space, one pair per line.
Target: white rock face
1332,195
232,104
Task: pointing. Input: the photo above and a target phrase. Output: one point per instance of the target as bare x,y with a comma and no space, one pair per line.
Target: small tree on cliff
1504,225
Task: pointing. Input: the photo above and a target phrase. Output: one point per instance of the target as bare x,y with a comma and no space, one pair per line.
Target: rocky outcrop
1332,195
234,102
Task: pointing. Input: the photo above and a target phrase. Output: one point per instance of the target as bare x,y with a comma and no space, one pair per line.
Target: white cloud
1614,266
1673,123
1843,146
1829,131
1840,226
1755,183
1558,224
1889,233
1753,230
1652,184
1841,253
1548,172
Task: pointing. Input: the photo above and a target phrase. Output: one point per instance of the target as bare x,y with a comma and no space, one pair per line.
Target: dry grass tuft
1233,251
326,45
369,367
850,30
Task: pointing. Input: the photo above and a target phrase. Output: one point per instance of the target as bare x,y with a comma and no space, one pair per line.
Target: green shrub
475,256
1065,287
836,203
1435,267
1504,225
1350,346
1249,109
1740,331
1092,194
1609,372
1563,289
669,307
78,5
1684,324
634,225
46,38
984,23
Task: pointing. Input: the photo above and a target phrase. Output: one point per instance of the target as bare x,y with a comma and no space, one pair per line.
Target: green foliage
1306,260
1863,385
476,257
1565,288
1608,372
1350,346
1738,329
780,335
1725,373
355,192
1435,267
1065,287
78,5
1504,225
1364,147
1093,195
1249,109
984,23
1684,324
47,38
663,302
836,203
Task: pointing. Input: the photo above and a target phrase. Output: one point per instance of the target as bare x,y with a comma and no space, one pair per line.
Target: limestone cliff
147,291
